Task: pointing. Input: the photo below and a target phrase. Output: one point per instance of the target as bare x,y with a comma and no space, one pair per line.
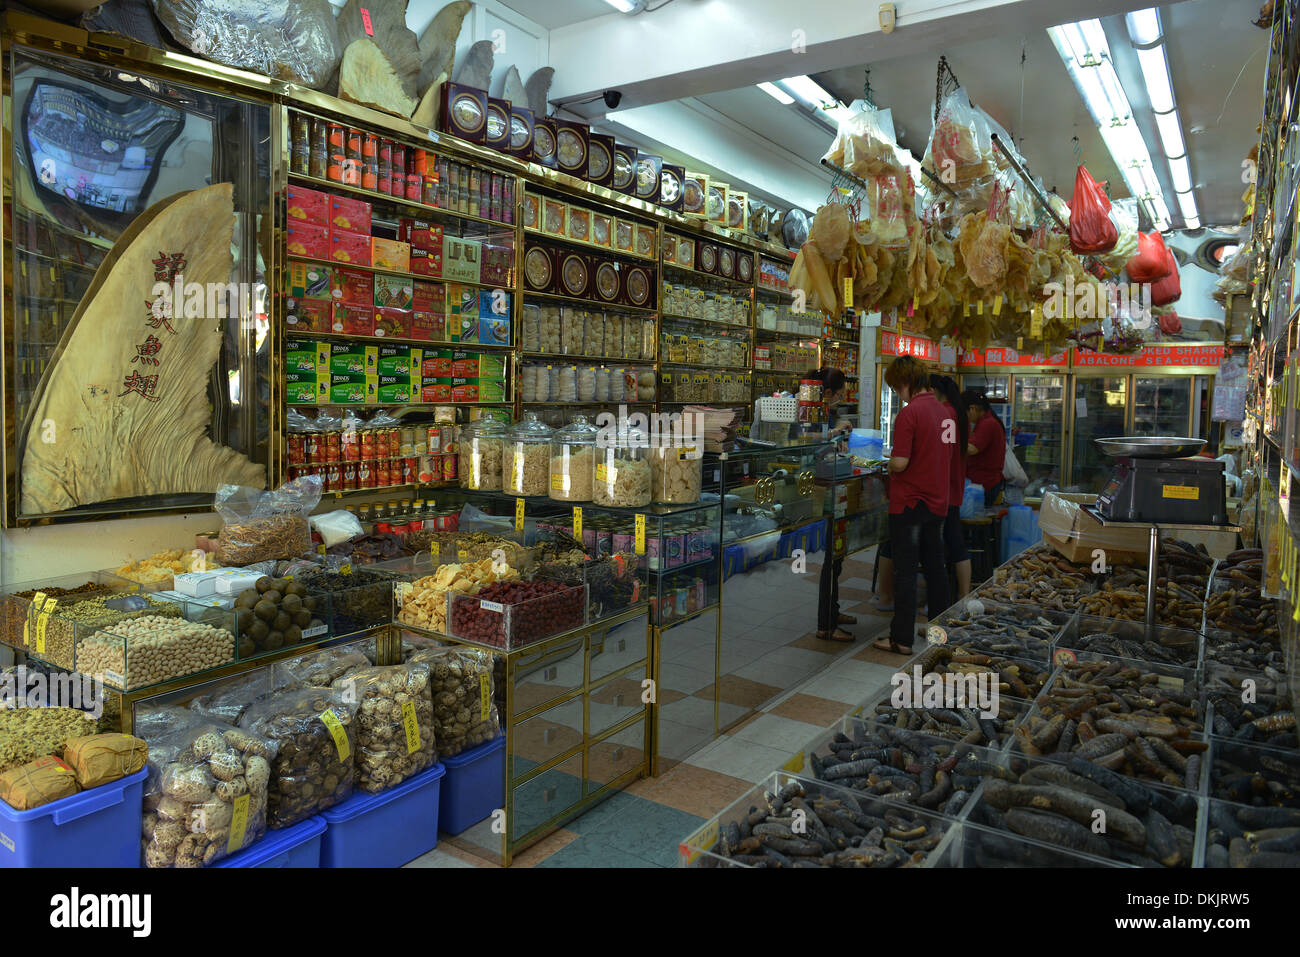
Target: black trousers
828,606
917,537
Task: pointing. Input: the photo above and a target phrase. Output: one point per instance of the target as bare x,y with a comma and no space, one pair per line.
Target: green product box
309,281
308,391
491,390
300,356
492,365
349,393
397,392
347,358
399,361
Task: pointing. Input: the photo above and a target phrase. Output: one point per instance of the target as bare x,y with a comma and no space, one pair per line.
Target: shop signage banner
1010,357
897,344
1151,357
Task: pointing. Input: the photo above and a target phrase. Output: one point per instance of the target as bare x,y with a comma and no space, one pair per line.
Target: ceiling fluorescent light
1144,27
1180,171
623,6
1187,205
1192,222
1171,133
776,93
808,90
1155,72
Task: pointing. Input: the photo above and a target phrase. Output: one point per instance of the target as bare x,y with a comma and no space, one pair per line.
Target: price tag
365,22
484,697
577,522
1169,681
979,307
33,613
42,621
997,306
519,515
238,824
345,568
435,550
1036,322
795,764
640,534
1020,343
337,732
848,292
412,727
491,605
462,553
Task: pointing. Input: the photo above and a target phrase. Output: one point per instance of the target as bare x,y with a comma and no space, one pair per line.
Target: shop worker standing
986,450
924,438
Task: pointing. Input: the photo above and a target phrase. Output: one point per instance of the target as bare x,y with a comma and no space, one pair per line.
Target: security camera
613,98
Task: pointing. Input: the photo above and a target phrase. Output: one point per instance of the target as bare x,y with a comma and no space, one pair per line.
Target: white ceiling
553,14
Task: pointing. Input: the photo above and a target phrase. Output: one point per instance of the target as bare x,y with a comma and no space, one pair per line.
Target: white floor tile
740,759
692,712
774,731
679,677
437,858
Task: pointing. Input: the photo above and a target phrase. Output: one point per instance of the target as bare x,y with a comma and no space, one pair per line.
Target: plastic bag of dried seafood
315,736
205,795
229,699
462,685
320,669
259,525
395,736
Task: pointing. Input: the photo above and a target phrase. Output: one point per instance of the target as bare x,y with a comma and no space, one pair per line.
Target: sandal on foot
848,620
838,634
889,645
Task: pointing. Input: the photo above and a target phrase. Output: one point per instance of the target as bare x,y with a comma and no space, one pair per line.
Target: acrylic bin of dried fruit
387,829
95,828
355,602
549,609
474,786
298,845
157,646
17,608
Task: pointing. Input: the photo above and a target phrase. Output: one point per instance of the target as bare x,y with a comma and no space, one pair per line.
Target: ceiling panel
553,14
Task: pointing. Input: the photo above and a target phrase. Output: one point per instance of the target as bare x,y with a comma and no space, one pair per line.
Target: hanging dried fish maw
127,390
438,43
366,77
293,40
387,28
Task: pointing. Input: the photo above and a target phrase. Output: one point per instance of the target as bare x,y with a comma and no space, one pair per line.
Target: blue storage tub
297,845
96,828
386,829
474,786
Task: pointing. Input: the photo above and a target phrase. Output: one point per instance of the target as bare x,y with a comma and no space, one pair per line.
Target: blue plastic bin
387,829
96,828
474,786
297,845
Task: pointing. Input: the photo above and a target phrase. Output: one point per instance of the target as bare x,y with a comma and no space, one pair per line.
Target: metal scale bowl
1154,482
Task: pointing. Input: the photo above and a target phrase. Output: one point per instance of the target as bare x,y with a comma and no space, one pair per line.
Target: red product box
429,297
305,239
422,234
308,206
351,287
465,368
308,315
393,322
437,368
425,262
466,392
435,393
348,247
349,215
354,320
429,326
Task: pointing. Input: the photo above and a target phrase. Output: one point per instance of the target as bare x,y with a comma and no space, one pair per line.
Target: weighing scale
1152,488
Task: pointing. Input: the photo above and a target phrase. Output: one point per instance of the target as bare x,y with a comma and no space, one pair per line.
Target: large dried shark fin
476,69
390,33
366,77
539,91
438,42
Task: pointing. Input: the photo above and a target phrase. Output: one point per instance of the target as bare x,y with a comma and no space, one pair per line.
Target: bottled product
482,447
677,474
622,476
528,457
573,461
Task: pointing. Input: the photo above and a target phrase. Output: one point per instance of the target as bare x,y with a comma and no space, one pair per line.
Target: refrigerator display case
1038,429
1100,410
1162,405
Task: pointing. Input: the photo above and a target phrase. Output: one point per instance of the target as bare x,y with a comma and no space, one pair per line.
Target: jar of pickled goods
573,461
482,448
528,457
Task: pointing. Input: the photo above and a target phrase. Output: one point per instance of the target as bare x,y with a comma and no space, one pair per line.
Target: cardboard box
349,215
346,247
1075,534
352,287
465,365
464,112
393,292
305,239
390,254
464,390
308,206
309,315
399,393
348,393
462,260
498,125
429,297
624,169
354,320
426,262
421,233
600,159
393,323
310,281
544,141
492,365
491,390
347,358
438,364
430,326
521,132
401,361
307,392
300,357
436,392
571,137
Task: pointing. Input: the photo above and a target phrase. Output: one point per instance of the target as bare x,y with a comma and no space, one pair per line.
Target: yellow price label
484,697
704,839
979,307
238,824
997,306
640,534
1036,322
42,621
412,727
519,515
1186,492
33,614
335,727
345,568
462,553
848,292
795,764
577,522
435,550
602,472
1020,343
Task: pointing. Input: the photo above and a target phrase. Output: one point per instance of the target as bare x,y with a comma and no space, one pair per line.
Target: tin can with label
448,521
430,469
421,444
367,443
334,143
351,443
406,442
449,466
334,478
369,161
508,201
653,557
623,542
415,165
352,158
430,183
349,476
385,182
448,438
701,594
683,596
604,542
299,143
366,473
314,448
319,160
383,528
333,446
397,185
433,436
667,608
297,443
394,443
410,469
674,550
381,473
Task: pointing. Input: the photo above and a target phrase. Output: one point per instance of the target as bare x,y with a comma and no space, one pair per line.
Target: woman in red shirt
954,540
987,449
919,477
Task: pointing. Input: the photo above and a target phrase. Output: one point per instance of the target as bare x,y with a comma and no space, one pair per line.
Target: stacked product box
321,226
350,373
460,376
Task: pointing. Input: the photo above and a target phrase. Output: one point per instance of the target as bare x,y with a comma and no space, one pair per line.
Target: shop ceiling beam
695,47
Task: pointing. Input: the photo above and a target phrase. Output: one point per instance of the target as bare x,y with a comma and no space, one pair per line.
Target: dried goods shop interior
479,477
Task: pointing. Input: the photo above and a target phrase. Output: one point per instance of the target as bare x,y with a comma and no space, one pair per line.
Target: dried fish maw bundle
831,229
983,247
293,40
127,390
366,77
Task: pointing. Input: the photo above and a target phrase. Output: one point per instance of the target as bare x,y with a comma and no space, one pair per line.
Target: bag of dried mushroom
259,525
314,734
320,669
462,685
394,723
205,796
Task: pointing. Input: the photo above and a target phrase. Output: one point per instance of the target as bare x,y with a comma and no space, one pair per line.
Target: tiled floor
642,826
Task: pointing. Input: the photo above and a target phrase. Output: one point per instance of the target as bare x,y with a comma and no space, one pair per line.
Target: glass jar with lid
622,476
676,473
528,457
573,461
482,447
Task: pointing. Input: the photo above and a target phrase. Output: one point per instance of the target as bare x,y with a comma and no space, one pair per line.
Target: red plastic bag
1091,230
1149,265
1170,324
1168,289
